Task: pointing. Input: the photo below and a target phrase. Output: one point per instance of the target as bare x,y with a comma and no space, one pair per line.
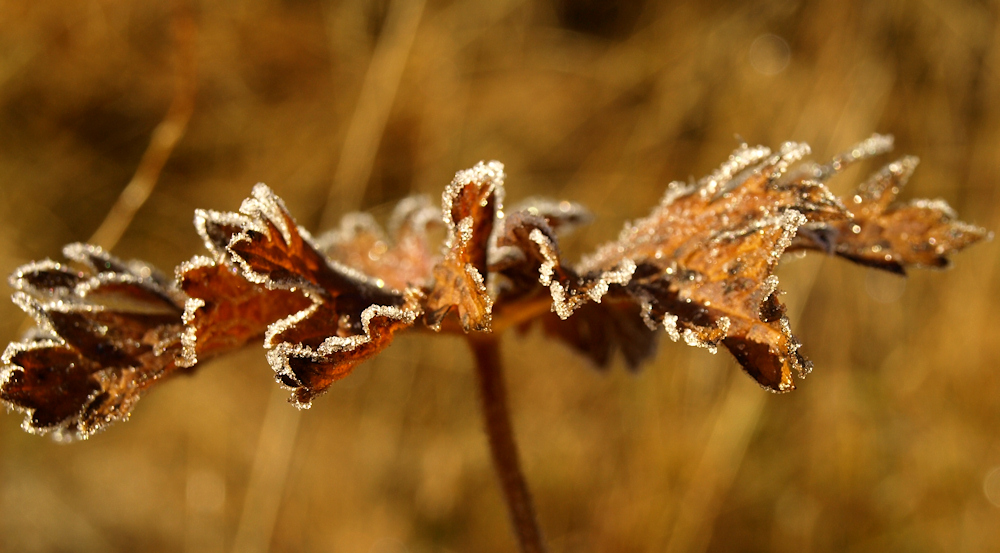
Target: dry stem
165,137
503,448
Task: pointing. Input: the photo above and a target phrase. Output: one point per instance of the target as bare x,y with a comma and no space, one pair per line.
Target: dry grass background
888,445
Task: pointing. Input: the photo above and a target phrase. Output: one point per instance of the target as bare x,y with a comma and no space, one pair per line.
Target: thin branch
378,92
503,448
165,137
268,475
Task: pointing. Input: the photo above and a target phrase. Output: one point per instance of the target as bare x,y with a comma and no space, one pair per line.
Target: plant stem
166,135
503,448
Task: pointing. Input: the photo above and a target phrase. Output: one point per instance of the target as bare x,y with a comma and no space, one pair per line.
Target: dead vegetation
602,113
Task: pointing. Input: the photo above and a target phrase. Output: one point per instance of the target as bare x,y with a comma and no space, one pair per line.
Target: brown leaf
105,333
224,310
405,260
532,248
528,242
318,346
704,260
893,236
518,258
561,216
351,316
470,204
597,331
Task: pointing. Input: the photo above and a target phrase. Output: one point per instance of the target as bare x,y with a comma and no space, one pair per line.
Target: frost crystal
739,160
876,144
562,304
491,175
670,325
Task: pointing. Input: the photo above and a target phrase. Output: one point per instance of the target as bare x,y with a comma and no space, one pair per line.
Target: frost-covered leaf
598,330
704,260
225,311
890,235
350,317
320,345
531,247
470,206
106,331
402,258
518,258
528,259
562,216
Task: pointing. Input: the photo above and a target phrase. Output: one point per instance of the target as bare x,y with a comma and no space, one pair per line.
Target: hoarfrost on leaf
470,206
104,334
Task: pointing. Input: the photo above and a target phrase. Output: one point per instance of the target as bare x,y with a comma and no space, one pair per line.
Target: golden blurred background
892,444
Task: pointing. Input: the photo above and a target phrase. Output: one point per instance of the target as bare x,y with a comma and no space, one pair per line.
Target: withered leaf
318,346
889,235
224,311
705,259
529,242
562,216
470,204
598,330
536,251
403,258
350,315
106,331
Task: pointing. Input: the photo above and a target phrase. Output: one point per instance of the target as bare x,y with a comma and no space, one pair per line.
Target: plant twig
268,475
503,448
166,135
378,92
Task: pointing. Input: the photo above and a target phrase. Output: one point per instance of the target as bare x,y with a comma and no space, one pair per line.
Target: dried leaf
309,350
529,242
224,311
470,205
105,333
405,260
530,246
705,258
597,331
562,216
351,317
889,235
701,265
